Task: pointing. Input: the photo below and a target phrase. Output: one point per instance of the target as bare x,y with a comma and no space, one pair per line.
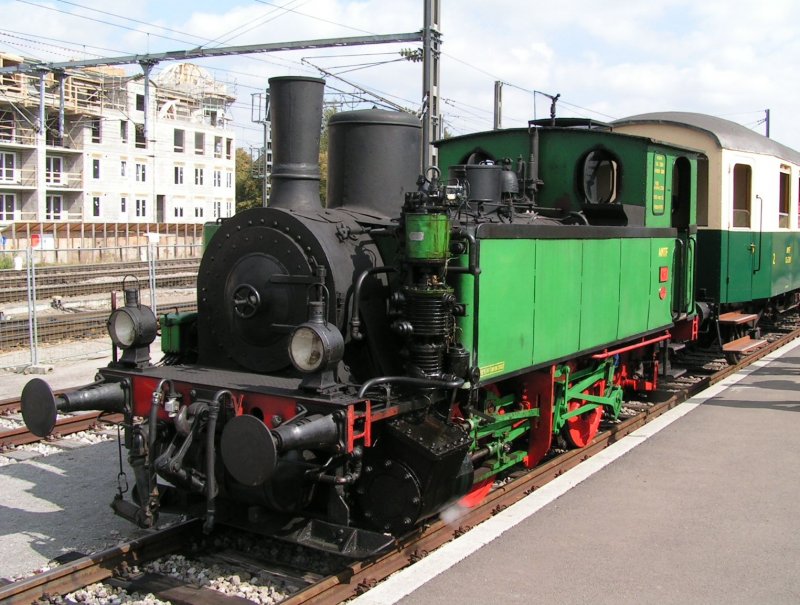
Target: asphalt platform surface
706,510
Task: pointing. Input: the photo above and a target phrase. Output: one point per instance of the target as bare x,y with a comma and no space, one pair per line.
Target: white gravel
88,437
226,579
40,448
101,594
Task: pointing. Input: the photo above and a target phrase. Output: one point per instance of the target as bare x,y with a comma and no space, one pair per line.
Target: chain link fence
54,303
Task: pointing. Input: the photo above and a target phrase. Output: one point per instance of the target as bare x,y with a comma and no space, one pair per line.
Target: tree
248,188
327,114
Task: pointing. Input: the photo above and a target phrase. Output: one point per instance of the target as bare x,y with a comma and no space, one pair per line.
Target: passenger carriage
747,216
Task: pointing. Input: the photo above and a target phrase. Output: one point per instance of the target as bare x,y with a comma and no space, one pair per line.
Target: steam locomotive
353,370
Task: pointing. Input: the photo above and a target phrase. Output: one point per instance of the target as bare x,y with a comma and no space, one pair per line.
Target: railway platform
699,506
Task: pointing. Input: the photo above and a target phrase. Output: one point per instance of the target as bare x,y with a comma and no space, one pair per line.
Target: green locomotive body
548,293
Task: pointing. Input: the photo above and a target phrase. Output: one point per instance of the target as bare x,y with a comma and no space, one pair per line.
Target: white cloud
614,57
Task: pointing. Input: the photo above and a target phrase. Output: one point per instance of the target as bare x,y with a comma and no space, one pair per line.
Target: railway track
348,580
79,280
74,326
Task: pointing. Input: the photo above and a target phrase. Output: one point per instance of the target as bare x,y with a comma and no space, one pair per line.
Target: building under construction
93,157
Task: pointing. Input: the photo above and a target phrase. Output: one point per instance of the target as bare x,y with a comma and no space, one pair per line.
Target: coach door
743,238
686,241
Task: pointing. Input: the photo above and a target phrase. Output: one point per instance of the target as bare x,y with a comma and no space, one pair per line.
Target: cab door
684,184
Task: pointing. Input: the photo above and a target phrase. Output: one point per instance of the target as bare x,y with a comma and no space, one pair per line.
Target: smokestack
296,120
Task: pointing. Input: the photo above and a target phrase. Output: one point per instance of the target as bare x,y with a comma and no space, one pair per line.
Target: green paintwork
638,259
557,324
646,166
498,431
539,300
427,236
174,327
566,296
505,305
209,229
685,290
738,266
570,386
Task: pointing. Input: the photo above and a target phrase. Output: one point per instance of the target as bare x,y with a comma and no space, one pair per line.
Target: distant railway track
79,280
65,425
358,577
99,566
14,334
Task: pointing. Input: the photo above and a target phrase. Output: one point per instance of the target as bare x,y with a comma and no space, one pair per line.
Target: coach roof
728,135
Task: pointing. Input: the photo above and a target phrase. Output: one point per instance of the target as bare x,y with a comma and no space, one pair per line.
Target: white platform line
407,580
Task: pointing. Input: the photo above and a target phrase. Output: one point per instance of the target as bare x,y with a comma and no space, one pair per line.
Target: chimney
296,120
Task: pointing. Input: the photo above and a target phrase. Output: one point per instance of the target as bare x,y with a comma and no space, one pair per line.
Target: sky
607,59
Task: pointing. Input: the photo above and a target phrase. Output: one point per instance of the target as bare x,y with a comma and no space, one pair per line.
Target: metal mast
498,104
432,41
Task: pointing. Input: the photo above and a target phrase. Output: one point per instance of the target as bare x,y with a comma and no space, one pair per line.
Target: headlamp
132,328
315,346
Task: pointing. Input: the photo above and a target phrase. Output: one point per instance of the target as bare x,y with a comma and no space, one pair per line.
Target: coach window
742,180
784,199
599,177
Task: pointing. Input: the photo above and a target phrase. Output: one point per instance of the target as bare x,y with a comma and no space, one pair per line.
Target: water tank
374,158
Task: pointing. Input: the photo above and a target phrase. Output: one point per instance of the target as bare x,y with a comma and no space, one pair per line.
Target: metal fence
54,304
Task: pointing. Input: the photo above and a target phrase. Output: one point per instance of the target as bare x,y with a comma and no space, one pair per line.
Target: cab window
600,174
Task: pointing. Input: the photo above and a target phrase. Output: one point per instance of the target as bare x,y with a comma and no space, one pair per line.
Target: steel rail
66,425
95,282
99,566
74,326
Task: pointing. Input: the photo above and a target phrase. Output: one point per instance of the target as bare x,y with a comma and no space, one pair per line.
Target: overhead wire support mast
431,53
197,53
149,60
